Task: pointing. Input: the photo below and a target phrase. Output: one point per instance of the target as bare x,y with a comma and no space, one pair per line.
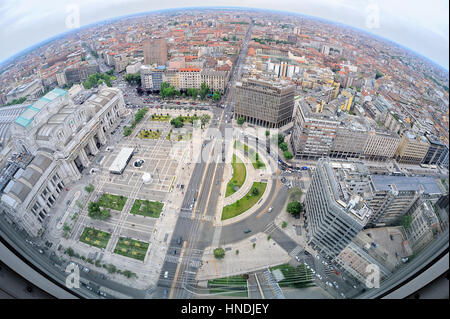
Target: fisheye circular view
224,154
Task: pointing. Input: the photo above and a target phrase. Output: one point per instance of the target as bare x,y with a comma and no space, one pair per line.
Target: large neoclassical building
61,138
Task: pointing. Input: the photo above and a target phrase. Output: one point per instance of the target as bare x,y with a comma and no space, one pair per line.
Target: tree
111,268
378,75
95,212
288,155
280,138
284,224
283,146
216,96
89,188
204,90
240,121
255,191
177,122
204,119
127,131
219,253
267,132
294,208
133,78
268,237
69,251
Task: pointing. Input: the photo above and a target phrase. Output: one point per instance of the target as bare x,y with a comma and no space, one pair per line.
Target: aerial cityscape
224,153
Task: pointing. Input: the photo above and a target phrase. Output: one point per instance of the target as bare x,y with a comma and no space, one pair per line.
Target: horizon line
52,38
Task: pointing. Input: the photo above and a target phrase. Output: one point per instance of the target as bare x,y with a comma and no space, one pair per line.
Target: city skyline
216,152
419,28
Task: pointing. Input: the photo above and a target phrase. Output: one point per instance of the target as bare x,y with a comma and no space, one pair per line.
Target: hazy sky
420,25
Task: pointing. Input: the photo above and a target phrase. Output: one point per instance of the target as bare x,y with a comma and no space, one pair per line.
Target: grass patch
131,248
239,175
229,286
160,118
147,208
295,277
95,237
251,154
149,134
245,202
115,202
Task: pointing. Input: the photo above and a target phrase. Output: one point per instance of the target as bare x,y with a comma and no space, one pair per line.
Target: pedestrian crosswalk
294,252
270,228
188,214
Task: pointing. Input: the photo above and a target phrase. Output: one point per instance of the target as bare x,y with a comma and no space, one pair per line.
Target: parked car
166,274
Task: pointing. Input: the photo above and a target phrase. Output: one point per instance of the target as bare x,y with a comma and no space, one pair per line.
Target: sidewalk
266,254
253,175
290,229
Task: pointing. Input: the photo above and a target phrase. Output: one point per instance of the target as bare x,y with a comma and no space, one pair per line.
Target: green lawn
160,118
244,203
149,134
95,237
239,174
229,286
295,277
115,202
252,155
147,208
131,248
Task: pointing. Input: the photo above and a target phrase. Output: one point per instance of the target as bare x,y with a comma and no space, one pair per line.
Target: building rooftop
30,112
405,183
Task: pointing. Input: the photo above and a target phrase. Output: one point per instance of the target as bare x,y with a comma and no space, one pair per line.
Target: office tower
380,145
436,151
155,51
335,208
264,103
412,149
392,196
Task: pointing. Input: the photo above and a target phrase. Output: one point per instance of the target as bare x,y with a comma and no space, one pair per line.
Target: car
89,287
40,251
248,230
102,293
85,269
166,274
270,209
102,277
165,293
297,258
179,239
317,256
343,296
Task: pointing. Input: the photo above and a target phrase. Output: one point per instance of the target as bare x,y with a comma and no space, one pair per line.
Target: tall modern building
335,209
436,151
268,104
155,51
